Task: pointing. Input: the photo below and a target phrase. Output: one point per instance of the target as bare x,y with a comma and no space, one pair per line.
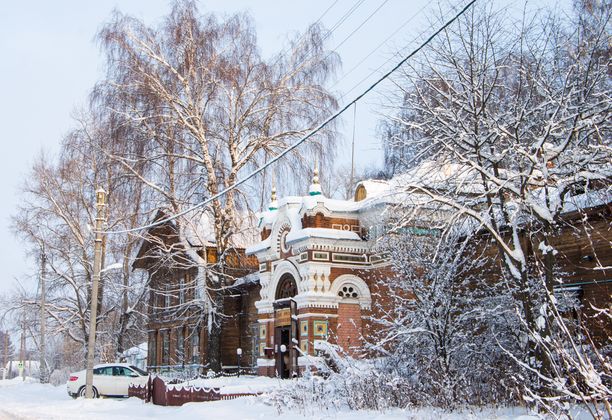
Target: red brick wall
321,221
349,327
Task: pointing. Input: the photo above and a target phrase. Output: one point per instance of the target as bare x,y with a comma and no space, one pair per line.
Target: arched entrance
285,326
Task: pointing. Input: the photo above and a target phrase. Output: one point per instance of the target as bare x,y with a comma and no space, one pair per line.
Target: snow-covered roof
434,175
251,278
298,205
587,200
324,233
200,230
407,190
140,351
294,207
375,187
259,246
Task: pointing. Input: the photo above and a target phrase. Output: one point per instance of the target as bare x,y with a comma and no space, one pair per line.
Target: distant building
13,368
136,356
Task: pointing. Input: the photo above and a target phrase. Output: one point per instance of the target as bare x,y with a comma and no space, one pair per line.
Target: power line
303,36
344,18
335,49
377,69
379,46
360,25
303,139
328,34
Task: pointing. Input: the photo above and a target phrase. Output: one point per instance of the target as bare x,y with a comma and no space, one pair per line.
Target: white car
110,380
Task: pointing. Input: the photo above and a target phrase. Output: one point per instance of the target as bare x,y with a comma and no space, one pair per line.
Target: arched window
286,287
348,291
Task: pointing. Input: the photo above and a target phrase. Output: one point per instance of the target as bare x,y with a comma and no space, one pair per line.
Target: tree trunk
214,332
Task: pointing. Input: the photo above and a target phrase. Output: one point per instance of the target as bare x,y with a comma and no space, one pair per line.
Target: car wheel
82,392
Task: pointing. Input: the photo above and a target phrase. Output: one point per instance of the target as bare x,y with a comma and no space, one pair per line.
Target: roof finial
315,187
273,203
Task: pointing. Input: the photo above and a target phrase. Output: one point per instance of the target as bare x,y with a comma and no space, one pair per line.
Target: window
348,291
349,258
122,371
138,370
167,297
256,333
283,241
286,287
165,347
378,258
360,193
195,346
181,291
104,371
153,348
320,256
180,346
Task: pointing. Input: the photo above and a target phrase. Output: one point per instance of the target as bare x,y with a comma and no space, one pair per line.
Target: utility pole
43,371
6,364
22,350
6,344
351,189
93,313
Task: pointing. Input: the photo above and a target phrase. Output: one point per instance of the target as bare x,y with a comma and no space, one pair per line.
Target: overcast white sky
49,61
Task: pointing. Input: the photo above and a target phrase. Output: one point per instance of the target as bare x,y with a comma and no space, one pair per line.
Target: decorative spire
273,203
315,187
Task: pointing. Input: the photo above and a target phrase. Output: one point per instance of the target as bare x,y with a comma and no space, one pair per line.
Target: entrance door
283,358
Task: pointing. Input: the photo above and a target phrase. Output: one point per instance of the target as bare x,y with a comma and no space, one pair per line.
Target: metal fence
159,393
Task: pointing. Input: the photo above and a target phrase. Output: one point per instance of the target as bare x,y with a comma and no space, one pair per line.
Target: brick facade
349,328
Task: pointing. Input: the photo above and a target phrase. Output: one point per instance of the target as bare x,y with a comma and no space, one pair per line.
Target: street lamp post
93,313
239,353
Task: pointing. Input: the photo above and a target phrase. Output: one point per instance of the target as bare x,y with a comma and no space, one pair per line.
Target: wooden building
178,324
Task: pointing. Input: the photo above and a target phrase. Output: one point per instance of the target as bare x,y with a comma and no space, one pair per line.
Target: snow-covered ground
30,400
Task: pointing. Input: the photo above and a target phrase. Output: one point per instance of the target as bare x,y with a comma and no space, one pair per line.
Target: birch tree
56,216
208,108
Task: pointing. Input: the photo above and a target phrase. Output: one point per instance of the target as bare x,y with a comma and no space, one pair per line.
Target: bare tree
207,108
516,121
442,333
55,217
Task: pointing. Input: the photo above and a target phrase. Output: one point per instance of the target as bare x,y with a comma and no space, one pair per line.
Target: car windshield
140,371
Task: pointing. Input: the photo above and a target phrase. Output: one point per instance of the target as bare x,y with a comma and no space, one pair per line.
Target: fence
157,392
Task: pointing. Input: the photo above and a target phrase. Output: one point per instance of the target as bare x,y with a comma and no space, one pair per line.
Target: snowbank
31,400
